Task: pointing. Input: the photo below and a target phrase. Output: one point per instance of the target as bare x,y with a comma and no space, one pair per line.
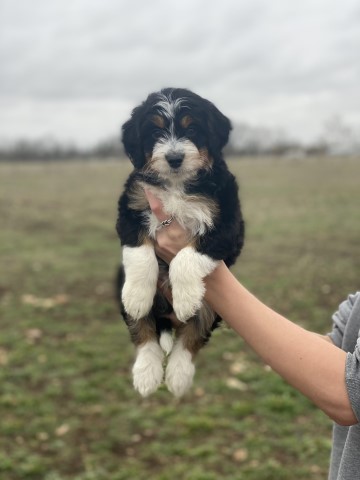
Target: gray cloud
278,63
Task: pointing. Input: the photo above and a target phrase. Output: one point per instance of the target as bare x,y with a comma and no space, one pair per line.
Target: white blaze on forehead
169,106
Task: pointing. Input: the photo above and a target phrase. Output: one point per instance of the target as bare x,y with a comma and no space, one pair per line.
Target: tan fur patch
142,331
158,121
137,198
194,333
205,158
186,121
138,202
146,240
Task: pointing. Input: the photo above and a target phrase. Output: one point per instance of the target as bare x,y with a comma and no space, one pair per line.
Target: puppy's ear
131,139
219,128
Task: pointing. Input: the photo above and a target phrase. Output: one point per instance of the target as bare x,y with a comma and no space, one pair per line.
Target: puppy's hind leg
191,337
148,367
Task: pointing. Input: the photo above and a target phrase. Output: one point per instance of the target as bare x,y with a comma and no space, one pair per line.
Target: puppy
174,140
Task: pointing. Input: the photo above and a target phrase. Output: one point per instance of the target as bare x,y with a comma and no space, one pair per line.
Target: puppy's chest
194,212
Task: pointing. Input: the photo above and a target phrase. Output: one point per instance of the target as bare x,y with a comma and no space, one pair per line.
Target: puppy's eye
156,134
191,131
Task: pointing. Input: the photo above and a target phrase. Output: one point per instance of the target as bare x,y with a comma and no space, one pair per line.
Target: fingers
156,205
170,239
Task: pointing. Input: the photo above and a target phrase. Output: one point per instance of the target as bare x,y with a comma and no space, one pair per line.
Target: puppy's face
174,140
175,133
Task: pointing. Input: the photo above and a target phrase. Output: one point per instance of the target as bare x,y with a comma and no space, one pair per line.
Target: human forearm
314,367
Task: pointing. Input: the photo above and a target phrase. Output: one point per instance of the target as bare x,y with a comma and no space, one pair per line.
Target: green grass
67,407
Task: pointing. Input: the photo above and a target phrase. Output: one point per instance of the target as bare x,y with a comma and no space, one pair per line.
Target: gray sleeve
352,368
352,376
340,319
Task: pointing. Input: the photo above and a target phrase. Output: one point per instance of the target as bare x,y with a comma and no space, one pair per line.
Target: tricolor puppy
174,140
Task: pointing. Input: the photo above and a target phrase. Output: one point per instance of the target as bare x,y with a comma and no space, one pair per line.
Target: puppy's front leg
141,274
187,271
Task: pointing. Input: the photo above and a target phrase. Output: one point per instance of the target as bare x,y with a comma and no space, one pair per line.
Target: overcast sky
74,69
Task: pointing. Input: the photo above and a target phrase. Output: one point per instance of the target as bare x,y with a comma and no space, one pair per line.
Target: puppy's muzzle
175,159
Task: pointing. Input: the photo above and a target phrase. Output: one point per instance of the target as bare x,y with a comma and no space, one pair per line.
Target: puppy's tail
162,309
166,341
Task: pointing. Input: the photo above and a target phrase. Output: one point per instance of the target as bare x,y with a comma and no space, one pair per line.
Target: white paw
186,273
180,371
141,274
137,301
187,299
148,368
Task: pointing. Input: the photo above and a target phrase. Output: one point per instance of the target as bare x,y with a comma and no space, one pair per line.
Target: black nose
174,159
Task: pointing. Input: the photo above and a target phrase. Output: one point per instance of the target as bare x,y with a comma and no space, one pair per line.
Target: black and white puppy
174,140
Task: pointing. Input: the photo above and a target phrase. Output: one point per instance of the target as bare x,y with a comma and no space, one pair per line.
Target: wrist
218,285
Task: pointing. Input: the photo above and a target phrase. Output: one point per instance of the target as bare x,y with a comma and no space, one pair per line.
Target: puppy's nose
175,159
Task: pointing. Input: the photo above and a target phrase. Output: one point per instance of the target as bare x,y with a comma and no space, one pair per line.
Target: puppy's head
175,132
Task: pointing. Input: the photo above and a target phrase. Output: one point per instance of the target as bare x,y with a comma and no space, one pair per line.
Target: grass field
67,407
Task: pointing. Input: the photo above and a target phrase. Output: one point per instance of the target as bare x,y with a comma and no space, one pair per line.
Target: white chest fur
194,213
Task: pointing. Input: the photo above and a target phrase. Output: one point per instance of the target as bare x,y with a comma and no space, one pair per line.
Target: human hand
171,238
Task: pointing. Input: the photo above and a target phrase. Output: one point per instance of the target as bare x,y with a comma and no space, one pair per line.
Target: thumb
156,205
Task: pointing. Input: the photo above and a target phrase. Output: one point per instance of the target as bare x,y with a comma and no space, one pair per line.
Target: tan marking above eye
158,121
186,121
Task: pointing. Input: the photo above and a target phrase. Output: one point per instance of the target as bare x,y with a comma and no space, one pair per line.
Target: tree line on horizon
245,140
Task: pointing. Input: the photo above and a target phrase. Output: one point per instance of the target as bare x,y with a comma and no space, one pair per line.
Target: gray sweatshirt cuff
340,319
352,376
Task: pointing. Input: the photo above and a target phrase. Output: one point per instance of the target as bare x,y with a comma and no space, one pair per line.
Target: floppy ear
219,127
132,141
